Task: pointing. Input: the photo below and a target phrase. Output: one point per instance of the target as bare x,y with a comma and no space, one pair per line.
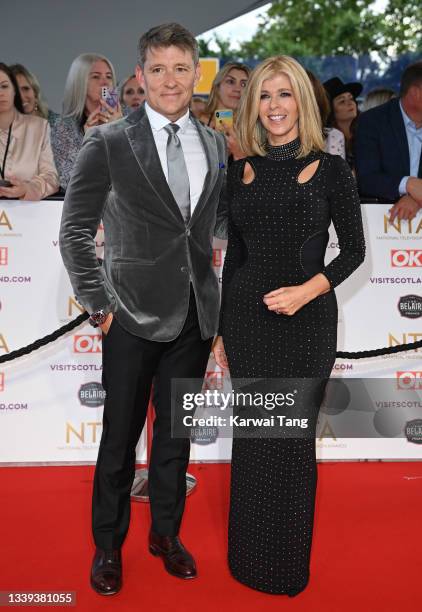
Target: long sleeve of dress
347,220
235,256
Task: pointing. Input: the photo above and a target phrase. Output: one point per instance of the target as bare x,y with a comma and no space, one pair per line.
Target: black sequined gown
277,237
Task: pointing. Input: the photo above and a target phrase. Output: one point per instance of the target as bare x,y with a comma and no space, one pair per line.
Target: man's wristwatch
98,318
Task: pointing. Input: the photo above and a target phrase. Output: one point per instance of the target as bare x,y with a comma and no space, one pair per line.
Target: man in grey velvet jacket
156,296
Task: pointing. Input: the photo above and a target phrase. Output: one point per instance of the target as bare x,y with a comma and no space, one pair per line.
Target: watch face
99,317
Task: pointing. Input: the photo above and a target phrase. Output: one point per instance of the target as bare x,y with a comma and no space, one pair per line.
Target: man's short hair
167,35
412,75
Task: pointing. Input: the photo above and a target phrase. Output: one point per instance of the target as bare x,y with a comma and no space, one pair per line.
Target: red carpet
366,556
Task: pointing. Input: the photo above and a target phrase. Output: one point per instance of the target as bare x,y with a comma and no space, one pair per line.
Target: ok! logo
87,343
406,258
409,380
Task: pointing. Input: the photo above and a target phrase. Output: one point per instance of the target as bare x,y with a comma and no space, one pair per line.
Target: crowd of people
379,136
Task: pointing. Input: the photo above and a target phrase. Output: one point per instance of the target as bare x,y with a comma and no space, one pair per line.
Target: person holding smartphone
83,108
225,95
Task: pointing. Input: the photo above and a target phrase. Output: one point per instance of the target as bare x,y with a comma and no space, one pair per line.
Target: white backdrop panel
51,401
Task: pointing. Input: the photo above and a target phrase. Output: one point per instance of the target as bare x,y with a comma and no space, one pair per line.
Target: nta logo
73,305
4,220
406,338
408,226
3,344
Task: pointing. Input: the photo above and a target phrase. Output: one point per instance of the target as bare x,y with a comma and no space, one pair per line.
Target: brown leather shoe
177,560
106,571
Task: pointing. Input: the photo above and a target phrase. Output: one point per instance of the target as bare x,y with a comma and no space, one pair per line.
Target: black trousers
130,365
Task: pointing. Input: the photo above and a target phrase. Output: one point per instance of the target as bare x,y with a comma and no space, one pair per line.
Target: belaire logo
203,435
409,380
217,258
87,343
413,431
4,256
410,306
1,381
406,258
91,394
213,380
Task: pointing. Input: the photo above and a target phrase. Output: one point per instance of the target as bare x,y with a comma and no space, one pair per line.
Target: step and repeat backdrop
51,401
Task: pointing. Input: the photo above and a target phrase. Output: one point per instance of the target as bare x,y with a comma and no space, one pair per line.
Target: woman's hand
102,114
219,353
93,119
17,191
108,113
288,300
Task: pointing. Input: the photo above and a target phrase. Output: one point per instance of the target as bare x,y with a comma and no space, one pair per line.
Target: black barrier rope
25,350
388,350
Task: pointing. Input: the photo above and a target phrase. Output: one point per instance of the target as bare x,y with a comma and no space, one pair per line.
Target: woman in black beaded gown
279,310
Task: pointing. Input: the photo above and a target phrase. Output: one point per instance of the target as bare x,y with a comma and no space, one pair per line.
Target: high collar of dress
284,151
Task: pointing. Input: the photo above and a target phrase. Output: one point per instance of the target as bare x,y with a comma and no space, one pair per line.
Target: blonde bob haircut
252,135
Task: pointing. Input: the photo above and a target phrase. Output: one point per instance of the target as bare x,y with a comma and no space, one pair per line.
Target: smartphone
4,183
223,119
110,96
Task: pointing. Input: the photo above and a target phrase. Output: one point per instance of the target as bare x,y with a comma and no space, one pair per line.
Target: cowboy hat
335,87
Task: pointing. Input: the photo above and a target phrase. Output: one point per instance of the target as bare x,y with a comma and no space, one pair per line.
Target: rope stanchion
388,350
25,350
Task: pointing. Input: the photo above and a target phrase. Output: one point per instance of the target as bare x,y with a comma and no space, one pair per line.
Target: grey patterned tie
178,177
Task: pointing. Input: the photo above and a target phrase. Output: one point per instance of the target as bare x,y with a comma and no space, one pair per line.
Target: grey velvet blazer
150,254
